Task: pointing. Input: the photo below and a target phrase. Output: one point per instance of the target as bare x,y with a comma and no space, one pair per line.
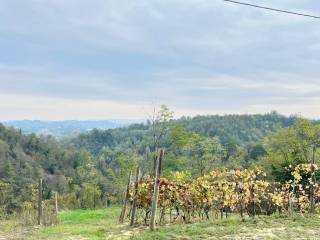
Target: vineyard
221,193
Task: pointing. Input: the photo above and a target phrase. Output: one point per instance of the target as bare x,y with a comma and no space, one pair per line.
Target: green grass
103,224
83,224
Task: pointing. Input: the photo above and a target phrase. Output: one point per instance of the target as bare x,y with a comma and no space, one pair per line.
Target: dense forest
90,170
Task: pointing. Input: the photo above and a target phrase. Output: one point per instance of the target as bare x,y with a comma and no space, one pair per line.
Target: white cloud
194,55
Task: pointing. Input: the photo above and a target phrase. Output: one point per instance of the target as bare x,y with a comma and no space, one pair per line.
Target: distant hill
62,129
241,130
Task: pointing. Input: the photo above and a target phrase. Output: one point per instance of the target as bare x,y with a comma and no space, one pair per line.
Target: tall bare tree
159,127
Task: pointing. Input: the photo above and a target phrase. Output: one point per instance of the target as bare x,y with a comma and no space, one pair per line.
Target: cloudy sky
100,59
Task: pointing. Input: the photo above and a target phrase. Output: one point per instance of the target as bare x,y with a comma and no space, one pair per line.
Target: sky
115,59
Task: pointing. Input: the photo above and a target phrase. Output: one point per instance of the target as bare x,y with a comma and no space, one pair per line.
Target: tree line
91,169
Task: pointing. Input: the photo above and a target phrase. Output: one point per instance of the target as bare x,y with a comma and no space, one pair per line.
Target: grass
264,227
103,224
84,224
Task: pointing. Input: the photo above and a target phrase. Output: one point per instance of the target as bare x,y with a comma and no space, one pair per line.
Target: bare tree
159,127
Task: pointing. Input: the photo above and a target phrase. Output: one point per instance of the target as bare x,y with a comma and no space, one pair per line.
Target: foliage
291,146
237,191
90,170
81,179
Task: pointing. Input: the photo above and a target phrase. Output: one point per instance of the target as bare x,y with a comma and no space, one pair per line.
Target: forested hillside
90,170
241,129
26,158
232,130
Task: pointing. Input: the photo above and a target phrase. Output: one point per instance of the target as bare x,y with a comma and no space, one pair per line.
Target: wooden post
40,202
134,205
155,192
56,202
155,158
239,190
313,180
124,207
253,202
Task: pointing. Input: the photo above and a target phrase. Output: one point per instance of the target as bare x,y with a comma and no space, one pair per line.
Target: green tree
90,196
205,152
290,147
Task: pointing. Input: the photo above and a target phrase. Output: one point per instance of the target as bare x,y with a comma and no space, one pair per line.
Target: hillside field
103,224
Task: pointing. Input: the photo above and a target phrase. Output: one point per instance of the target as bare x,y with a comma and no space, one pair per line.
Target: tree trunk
124,207
155,192
40,202
313,180
314,154
56,202
154,169
253,203
134,205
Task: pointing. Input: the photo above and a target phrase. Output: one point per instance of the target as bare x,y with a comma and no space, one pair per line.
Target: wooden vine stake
124,207
134,204
156,191
313,180
40,202
56,202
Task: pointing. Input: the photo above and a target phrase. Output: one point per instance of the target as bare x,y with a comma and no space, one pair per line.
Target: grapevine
244,192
